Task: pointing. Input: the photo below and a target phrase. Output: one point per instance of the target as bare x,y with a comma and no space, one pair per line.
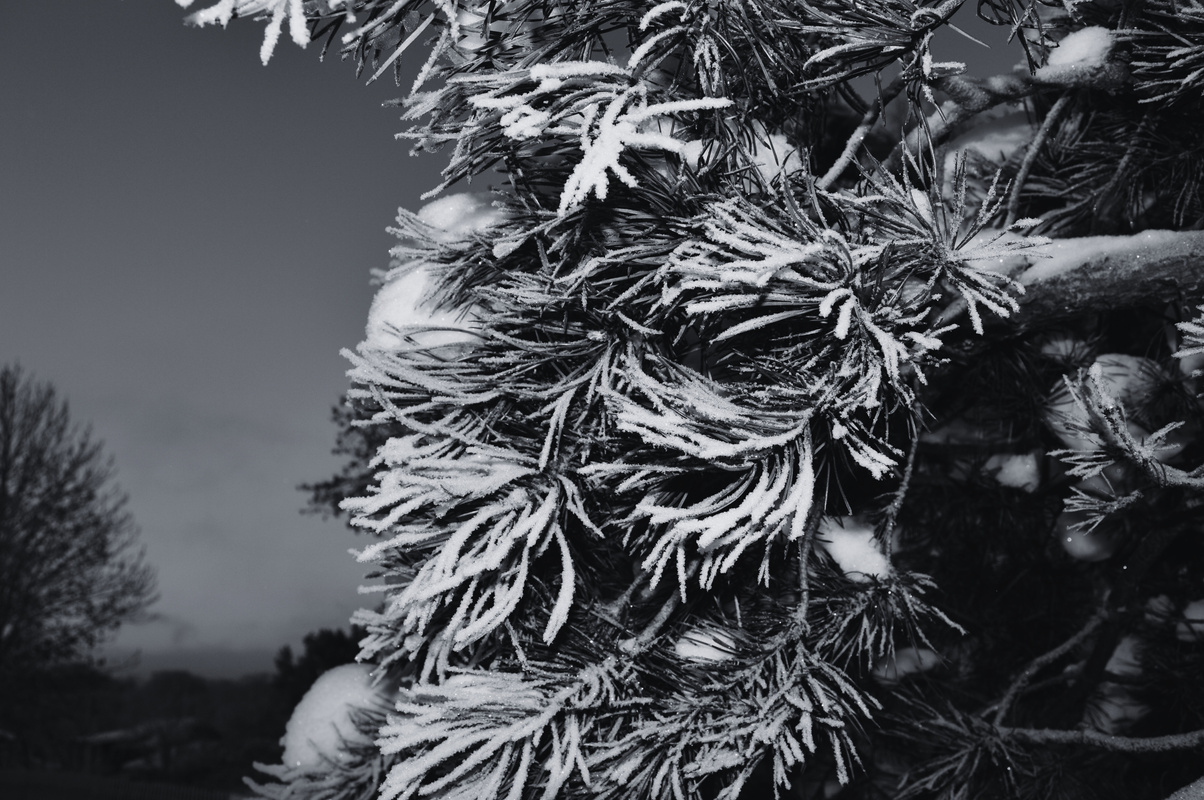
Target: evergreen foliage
779,432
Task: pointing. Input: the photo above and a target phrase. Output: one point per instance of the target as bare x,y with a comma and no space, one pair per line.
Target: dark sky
187,237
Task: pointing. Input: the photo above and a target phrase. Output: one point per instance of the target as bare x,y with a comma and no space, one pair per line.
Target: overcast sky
187,237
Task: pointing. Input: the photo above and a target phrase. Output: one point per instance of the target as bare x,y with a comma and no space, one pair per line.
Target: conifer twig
867,123
1092,738
401,48
1042,661
896,504
644,639
967,100
1125,274
1030,156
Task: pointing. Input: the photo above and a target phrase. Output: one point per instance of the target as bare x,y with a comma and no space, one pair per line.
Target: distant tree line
172,726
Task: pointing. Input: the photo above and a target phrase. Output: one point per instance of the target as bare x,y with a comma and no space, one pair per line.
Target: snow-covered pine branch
1069,276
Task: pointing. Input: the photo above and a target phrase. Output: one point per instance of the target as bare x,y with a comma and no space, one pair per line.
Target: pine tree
797,415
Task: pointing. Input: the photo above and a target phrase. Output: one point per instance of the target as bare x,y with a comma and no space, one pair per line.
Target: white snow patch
1125,659
705,646
1130,379
996,137
770,153
773,154
401,315
1081,59
1115,707
471,21
1191,627
691,150
1084,49
1016,470
1094,545
321,726
906,661
851,544
458,216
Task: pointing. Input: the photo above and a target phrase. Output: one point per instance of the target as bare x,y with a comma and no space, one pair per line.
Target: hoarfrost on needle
280,10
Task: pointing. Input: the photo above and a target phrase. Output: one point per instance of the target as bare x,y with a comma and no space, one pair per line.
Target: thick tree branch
1105,273
1123,744
1192,791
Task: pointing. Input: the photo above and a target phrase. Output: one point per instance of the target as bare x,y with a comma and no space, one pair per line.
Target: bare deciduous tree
71,570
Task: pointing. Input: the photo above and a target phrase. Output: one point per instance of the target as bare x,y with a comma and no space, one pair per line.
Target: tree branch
1030,156
1122,744
867,123
1042,661
1192,791
1105,273
967,99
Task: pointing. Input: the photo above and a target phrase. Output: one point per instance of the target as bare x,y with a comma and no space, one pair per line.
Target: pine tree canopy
790,413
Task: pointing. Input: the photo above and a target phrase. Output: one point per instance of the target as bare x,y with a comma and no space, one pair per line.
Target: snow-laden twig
602,106
277,10
1109,419
770,500
968,99
1192,791
1030,155
492,735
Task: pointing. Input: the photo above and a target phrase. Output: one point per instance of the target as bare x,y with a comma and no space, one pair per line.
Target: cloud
159,630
